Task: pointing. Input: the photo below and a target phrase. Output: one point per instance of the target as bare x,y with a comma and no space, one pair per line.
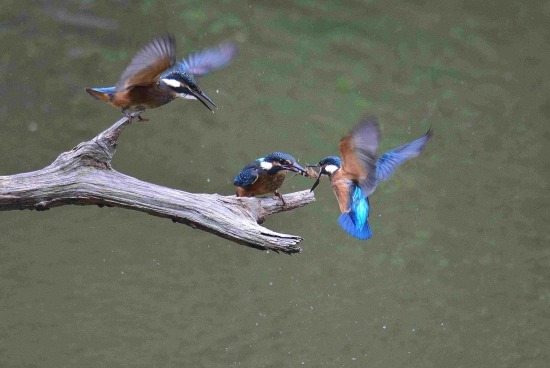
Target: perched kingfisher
154,76
355,177
266,175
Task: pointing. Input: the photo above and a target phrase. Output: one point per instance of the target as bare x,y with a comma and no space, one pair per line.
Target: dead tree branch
84,176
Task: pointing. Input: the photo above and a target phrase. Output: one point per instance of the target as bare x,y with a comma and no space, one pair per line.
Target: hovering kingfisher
154,76
266,175
355,177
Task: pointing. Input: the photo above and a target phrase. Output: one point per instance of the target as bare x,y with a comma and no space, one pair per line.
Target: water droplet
32,127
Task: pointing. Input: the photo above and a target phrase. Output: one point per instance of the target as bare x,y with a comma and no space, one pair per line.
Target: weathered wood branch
84,176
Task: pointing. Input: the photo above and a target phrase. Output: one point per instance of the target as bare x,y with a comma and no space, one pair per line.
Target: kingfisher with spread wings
354,177
154,76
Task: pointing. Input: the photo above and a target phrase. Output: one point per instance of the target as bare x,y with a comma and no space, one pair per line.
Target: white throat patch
266,165
331,168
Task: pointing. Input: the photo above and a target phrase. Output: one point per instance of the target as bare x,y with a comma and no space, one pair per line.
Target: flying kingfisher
154,76
355,176
266,175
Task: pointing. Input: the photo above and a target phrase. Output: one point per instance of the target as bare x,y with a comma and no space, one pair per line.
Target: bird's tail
103,94
349,223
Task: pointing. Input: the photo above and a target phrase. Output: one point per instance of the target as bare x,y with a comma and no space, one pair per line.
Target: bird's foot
128,116
132,115
281,197
141,119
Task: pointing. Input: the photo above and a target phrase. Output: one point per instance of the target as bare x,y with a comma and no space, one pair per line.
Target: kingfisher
355,176
154,77
266,175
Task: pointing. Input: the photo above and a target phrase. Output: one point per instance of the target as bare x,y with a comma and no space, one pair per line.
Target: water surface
457,271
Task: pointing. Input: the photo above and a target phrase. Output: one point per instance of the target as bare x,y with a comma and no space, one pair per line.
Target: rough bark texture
85,176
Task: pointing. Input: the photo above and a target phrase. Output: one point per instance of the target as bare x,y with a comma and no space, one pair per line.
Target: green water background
457,273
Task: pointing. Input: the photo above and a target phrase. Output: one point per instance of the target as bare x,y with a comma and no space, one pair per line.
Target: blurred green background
457,273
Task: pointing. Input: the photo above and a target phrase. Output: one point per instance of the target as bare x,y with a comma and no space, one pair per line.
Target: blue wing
108,90
104,93
208,60
389,161
246,177
355,222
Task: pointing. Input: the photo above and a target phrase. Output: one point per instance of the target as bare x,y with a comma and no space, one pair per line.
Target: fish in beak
295,167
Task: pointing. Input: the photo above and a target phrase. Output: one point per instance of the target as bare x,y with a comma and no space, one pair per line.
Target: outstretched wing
246,177
389,161
208,60
146,67
358,152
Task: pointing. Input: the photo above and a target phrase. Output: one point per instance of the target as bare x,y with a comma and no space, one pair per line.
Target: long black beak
202,94
316,183
318,178
295,168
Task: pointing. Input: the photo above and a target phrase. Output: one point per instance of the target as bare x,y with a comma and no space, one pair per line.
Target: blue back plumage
355,222
250,173
389,161
247,176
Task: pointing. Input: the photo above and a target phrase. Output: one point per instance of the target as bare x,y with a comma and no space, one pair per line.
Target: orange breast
142,97
264,185
341,188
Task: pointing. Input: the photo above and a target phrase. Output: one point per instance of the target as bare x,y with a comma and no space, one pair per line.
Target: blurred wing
146,67
389,161
246,177
358,152
208,60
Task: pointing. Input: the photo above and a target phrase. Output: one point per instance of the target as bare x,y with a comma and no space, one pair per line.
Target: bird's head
184,85
328,166
277,161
